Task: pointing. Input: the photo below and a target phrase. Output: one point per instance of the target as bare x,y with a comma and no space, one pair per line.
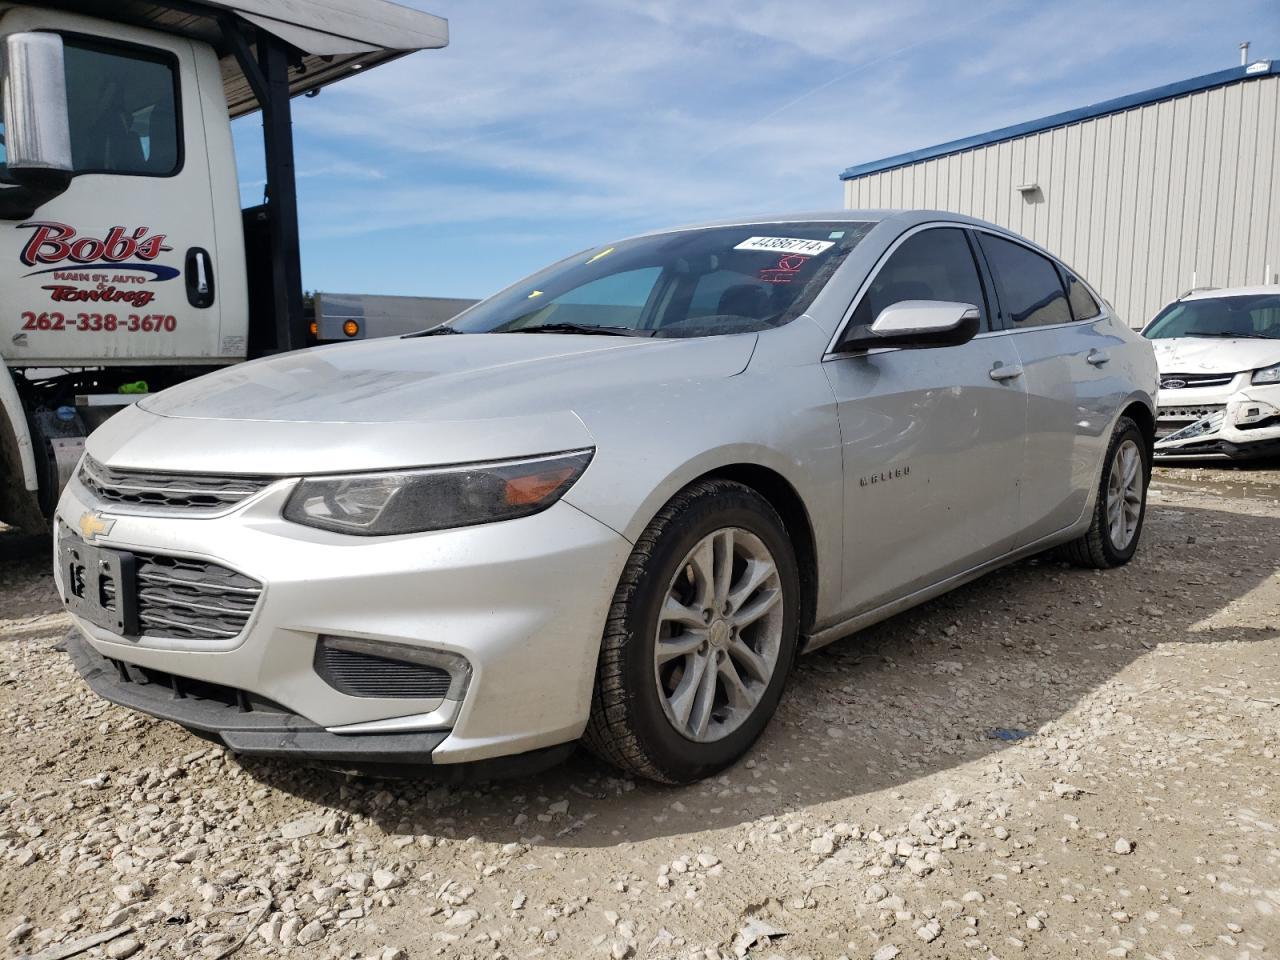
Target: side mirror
37,135
915,324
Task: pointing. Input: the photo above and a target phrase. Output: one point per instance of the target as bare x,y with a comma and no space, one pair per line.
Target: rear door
118,266
932,439
1063,345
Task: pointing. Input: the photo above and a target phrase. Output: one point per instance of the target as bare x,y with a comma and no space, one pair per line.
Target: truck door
121,268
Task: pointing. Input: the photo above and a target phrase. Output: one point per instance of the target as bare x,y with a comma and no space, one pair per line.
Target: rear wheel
1112,538
700,637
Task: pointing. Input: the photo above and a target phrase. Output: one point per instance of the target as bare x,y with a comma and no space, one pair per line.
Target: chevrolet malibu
610,503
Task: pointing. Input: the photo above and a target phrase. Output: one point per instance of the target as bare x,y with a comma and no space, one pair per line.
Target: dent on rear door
1072,406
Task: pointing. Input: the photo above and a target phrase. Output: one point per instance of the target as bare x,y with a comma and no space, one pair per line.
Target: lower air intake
361,674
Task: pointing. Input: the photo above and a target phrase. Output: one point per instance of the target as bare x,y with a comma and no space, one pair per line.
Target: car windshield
687,283
1251,316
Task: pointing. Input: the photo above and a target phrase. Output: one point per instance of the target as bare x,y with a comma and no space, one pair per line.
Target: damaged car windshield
1254,316
688,283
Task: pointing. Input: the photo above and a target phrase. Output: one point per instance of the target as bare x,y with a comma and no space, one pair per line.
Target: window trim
832,351
1007,326
138,51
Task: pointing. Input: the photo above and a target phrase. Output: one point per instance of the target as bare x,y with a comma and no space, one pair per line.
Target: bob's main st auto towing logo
121,263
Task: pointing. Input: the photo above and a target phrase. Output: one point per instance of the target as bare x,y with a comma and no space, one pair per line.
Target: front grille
1188,414
364,675
185,491
192,599
1193,380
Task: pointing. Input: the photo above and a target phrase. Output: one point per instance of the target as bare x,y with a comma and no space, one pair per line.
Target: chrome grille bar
179,491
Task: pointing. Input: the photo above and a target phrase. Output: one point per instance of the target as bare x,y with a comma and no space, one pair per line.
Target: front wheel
1121,507
700,637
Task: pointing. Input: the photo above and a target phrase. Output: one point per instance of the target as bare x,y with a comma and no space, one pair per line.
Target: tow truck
126,262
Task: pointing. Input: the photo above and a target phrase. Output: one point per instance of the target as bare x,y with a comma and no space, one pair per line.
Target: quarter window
934,264
1029,286
122,108
1083,306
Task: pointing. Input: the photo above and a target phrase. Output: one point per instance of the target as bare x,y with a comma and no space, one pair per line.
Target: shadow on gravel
909,698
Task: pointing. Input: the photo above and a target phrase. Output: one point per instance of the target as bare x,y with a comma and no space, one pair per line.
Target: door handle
1005,371
1097,357
199,274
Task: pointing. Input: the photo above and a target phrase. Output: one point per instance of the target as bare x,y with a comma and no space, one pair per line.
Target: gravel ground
1046,763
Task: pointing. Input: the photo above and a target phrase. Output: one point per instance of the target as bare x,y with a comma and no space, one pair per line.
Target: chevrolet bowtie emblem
94,525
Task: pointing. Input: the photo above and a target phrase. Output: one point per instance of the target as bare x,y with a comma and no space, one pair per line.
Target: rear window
1030,289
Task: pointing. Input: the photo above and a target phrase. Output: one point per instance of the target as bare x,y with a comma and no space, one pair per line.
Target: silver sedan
610,503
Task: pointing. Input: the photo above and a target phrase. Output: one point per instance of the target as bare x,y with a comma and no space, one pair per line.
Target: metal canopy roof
333,37
1259,68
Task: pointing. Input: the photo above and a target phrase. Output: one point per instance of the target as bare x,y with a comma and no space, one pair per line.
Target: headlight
1267,375
411,501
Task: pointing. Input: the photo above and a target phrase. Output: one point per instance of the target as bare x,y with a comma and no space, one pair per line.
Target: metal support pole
282,194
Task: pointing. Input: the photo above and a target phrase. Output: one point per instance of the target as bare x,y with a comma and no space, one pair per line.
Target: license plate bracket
99,585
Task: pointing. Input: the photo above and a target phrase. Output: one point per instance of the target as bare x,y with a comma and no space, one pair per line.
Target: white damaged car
1219,358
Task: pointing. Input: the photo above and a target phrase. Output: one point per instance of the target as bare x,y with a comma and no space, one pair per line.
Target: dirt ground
1046,763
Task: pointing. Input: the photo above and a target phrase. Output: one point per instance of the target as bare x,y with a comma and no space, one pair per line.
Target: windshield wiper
582,328
1233,336
432,332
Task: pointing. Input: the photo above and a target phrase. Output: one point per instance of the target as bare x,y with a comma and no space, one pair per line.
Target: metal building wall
1145,203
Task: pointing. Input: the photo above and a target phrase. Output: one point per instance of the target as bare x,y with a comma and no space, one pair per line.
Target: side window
616,300
935,264
1083,306
122,105
1030,288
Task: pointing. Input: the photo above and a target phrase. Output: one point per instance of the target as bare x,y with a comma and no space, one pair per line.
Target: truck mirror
37,136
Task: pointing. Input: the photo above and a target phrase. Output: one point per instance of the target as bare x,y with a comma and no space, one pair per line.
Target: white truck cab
126,262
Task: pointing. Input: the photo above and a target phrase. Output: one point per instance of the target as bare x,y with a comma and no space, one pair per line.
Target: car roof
1214,293
901,218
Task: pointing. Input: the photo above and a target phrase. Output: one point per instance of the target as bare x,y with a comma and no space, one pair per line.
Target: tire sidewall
1126,430
680,758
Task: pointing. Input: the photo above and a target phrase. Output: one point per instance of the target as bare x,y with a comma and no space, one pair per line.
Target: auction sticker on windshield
806,248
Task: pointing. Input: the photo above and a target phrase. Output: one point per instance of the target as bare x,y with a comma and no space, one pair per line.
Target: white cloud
644,112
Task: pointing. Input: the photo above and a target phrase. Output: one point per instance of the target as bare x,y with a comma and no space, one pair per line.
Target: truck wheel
700,637
1121,505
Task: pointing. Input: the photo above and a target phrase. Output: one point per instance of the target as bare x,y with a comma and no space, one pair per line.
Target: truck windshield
687,283
1255,317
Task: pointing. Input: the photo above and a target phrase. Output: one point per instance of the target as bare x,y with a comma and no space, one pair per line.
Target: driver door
932,439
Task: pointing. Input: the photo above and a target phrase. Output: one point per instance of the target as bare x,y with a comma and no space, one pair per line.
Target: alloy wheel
719,634
1124,495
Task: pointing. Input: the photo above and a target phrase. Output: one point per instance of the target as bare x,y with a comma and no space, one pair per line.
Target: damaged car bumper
276,639
1247,427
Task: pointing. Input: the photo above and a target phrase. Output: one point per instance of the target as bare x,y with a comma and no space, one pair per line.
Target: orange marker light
522,491
315,329
351,328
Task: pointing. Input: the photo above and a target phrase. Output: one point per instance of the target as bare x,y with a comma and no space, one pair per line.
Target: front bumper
522,602
1246,426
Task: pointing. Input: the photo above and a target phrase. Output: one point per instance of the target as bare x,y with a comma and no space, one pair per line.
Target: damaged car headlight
1267,375
435,498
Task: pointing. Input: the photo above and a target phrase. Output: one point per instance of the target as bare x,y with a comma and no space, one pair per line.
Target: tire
1098,549
636,704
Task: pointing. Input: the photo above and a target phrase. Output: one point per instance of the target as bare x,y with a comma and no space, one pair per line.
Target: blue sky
546,128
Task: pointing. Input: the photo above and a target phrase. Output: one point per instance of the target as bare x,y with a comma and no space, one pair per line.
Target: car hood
388,403
1214,354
